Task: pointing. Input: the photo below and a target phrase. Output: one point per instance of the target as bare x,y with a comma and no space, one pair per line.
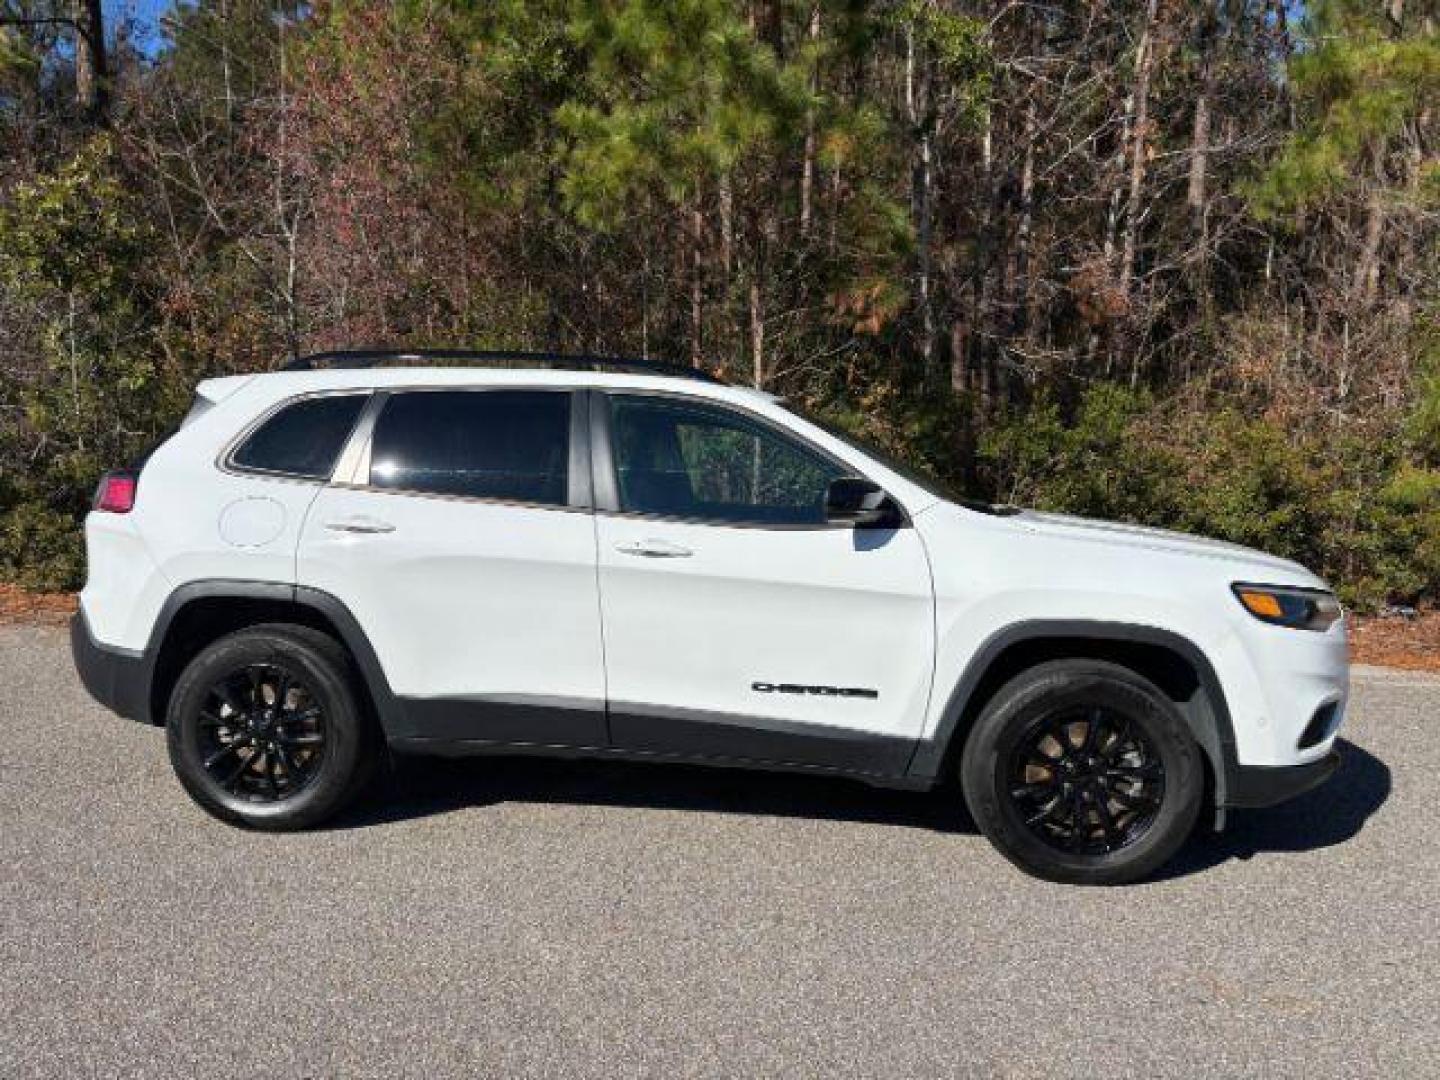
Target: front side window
692,460
510,445
303,439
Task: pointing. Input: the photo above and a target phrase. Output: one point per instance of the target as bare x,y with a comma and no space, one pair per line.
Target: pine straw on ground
1398,641
44,609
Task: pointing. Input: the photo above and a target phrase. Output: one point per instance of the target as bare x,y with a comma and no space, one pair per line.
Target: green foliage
1092,464
1359,88
1424,421
962,49
680,92
1351,507
70,247
40,548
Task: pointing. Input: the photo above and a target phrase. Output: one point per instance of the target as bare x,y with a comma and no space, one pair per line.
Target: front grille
1322,725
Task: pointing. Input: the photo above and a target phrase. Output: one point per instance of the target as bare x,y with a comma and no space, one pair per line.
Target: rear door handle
363,525
654,549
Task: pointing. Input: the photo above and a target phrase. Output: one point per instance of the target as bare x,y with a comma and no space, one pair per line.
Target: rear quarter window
302,440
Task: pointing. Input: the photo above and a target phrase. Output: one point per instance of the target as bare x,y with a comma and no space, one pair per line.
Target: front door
739,623
465,548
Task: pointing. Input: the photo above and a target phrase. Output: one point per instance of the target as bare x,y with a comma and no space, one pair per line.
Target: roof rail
501,358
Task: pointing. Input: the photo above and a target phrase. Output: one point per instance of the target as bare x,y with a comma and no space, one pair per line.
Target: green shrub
1358,509
41,548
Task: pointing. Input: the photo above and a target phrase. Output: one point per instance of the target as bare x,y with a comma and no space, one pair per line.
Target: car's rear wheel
264,728
1081,771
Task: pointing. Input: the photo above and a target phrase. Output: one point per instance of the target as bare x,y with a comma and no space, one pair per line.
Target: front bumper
115,678
1253,786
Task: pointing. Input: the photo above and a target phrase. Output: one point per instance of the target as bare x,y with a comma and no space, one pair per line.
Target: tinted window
491,444
685,459
302,439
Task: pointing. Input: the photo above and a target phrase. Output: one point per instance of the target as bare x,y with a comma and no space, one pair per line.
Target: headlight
1303,609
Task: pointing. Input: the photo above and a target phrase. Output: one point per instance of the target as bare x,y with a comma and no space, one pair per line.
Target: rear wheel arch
1173,663
200,613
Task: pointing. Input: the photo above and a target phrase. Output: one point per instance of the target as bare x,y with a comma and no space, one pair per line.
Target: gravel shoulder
552,918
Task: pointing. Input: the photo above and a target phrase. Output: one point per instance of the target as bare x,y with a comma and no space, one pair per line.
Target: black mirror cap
853,500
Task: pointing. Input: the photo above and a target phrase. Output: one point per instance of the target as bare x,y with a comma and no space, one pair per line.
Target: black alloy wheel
1083,771
262,733
1086,780
267,727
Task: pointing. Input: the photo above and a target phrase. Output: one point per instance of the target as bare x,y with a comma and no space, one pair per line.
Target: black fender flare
1209,719
388,707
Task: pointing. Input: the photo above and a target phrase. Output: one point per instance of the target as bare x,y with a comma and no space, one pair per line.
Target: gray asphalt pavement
513,918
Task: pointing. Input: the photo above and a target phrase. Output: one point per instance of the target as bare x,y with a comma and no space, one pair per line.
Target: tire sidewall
1031,697
344,744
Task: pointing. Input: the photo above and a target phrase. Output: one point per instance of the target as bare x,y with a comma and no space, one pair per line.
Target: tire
290,690
1113,804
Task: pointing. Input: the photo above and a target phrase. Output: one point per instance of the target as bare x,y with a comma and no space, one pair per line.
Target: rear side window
511,445
303,439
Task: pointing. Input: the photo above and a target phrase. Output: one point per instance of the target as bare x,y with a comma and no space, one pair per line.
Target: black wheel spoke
1079,823
1030,791
233,779
1120,739
227,698
1107,819
1132,802
294,775
1149,770
224,752
281,689
301,739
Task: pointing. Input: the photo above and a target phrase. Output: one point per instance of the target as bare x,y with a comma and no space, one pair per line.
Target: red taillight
116,493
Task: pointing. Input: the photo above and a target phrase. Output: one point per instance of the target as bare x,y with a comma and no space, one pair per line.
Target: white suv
468,553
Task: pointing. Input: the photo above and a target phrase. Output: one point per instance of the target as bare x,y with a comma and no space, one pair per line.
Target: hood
1280,571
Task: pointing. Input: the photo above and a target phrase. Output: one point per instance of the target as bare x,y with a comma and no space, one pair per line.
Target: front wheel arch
1176,665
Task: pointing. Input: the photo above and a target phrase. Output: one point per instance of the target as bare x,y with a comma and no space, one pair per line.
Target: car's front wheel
1081,771
265,730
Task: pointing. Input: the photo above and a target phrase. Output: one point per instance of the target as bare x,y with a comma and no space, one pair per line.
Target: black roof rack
367,358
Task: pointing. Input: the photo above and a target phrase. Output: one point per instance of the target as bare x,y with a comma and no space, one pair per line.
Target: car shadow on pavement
1325,817
421,787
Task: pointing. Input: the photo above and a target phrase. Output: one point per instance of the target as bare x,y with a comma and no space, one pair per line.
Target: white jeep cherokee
476,553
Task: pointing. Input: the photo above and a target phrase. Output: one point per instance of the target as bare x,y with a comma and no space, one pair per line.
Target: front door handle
654,549
363,525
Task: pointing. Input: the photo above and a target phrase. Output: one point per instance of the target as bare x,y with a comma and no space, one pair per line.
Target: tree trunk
1200,128
1367,270
727,224
1144,62
697,224
980,350
807,168
92,82
922,183
757,335
1025,225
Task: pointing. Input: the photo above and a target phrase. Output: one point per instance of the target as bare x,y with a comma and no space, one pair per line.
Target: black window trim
353,466
226,462
606,485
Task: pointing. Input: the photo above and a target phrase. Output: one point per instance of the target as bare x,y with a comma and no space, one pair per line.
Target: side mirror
853,500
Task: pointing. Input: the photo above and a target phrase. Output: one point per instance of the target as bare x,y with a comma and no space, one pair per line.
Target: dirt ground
1411,642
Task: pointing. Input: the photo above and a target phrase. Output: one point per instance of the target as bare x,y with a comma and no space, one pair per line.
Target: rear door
738,622
461,540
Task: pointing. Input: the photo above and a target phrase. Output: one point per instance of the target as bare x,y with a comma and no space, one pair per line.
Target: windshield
922,478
